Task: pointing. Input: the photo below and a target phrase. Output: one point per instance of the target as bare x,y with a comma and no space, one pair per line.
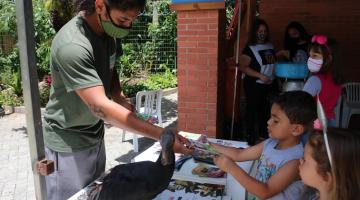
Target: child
339,180
277,171
324,80
296,43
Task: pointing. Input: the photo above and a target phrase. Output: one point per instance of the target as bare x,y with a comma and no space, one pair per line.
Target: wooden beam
198,6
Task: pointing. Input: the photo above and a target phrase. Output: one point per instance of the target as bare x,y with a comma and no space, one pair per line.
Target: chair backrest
149,102
352,93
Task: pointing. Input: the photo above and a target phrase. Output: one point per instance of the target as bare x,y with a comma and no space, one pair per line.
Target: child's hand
264,78
223,162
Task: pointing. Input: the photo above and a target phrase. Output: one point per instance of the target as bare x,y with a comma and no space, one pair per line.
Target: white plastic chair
351,102
147,103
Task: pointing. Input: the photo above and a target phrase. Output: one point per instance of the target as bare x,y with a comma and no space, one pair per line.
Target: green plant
11,78
43,31
61,11
130,90
44,95
160,81
144,49
9,98
7,18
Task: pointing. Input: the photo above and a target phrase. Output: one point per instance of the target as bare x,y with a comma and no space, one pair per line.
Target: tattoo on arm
97,111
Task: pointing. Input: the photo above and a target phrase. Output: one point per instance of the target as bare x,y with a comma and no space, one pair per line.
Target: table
233,188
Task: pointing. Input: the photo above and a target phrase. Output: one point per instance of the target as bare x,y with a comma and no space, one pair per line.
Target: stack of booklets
187,190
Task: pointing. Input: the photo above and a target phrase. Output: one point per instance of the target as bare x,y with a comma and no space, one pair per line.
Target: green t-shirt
79,59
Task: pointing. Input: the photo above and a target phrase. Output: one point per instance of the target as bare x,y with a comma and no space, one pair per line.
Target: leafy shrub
160,81
152,82
9,98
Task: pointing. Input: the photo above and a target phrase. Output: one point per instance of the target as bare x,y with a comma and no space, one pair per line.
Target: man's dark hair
89,5
299,107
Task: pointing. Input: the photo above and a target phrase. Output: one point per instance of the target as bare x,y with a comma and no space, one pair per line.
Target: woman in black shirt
257,63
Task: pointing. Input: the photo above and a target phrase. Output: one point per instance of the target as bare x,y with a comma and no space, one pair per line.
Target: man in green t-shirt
83,55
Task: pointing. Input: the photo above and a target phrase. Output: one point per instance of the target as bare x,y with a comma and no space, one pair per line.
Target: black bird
141,180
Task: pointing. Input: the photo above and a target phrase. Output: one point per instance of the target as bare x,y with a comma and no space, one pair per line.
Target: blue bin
291,70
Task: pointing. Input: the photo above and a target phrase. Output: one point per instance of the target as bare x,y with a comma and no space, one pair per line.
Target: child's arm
236,154
277,182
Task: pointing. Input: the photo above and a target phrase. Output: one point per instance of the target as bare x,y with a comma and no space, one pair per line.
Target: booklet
186,190
203,152
203,170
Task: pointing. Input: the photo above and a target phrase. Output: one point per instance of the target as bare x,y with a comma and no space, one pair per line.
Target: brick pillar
201,31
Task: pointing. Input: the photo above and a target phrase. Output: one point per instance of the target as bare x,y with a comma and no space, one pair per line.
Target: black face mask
295,40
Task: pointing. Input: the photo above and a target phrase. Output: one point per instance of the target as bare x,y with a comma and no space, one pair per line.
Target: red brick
197,27
196,127
211,20
181,15
199,38
208,33
200,83
186,21
186,44
207,44
213,26
186,32
200,105
181,27
197,14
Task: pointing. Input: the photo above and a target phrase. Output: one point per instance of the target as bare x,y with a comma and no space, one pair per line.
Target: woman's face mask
261,37
261,34
314,65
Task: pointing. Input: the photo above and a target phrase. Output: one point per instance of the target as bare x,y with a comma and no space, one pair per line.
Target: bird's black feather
141,180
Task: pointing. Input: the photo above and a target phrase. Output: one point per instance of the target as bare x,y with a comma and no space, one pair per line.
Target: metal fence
157,51
162,46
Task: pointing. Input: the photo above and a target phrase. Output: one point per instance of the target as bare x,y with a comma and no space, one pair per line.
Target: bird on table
141,180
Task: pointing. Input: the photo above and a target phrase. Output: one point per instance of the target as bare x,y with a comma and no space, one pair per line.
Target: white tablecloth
233,188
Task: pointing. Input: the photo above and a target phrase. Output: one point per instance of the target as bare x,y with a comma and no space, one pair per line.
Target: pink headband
322,40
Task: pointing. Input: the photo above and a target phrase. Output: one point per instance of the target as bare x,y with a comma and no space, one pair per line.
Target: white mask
314,65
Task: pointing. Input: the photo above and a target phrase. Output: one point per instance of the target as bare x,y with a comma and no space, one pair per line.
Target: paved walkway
16,180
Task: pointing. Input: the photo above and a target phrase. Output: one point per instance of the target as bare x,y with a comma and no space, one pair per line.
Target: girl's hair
328,59
89,5
345,150
288,43
255,27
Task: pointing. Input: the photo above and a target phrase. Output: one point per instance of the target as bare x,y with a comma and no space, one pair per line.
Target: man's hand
182,145
223,162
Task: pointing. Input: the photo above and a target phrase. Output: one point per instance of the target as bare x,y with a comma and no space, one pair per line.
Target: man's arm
116,114
119,116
